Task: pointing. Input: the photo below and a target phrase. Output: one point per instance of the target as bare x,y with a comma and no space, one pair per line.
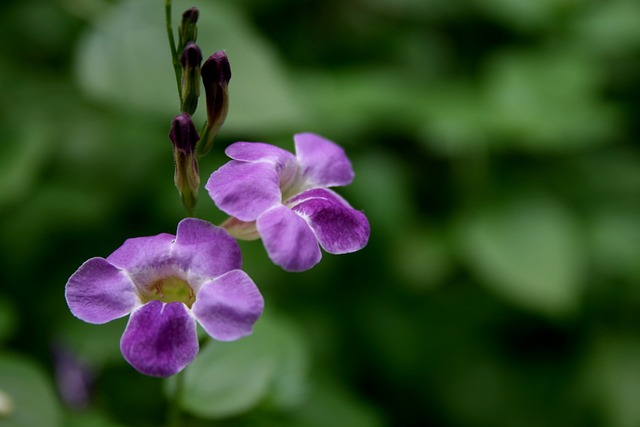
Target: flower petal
137,253
99,292
245,190
160,339
145,259
323,162
259,152
285,164
339,228
228,306
203,250
288,239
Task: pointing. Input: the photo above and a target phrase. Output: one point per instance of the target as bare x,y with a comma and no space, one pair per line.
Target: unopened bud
184,136
216,73
188,31
190,60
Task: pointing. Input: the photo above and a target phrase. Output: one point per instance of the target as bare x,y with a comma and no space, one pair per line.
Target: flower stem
173,418
172,46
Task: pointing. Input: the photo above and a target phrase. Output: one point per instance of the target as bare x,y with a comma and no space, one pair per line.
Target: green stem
177,68
173,419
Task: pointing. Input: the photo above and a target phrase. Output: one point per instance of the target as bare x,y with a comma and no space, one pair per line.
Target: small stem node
174,408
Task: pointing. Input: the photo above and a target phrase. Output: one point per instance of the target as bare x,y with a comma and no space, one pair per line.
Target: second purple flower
284,199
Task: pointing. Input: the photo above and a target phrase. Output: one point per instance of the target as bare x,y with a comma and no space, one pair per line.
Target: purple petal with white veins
339,228
228,306
245,190
160,339
323,162
204,250
99,292
288,239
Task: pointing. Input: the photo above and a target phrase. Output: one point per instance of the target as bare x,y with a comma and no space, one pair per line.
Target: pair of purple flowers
169,283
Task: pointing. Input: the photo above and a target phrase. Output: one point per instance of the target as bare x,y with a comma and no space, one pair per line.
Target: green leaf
519,103
610,28
28,397
528,252
612,379
230,378
457,119
330,404
21,162
615,238
547,100
125,61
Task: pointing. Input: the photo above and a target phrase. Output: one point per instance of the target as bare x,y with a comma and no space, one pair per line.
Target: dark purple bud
216,69
190,60
191,56
184,136
188,31
216,74
190,16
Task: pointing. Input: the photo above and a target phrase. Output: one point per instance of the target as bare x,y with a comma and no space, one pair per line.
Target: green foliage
496,156
231,378
612,380
528,251
28,398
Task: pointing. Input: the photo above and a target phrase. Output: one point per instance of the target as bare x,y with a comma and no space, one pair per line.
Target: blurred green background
495,144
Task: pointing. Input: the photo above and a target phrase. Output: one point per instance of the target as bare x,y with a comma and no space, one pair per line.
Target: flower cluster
215,74
168,284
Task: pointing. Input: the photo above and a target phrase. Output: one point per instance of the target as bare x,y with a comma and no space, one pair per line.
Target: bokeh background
495,144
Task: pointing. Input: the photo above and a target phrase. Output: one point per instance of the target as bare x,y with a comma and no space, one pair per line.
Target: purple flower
168,283
283,199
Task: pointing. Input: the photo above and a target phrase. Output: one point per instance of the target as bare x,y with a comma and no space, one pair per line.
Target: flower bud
184,136
216,73
190,60
188,31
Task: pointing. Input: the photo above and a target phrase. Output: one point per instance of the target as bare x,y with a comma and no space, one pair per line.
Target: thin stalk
173,418
177,68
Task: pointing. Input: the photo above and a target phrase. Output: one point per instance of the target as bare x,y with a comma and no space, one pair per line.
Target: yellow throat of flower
170,289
